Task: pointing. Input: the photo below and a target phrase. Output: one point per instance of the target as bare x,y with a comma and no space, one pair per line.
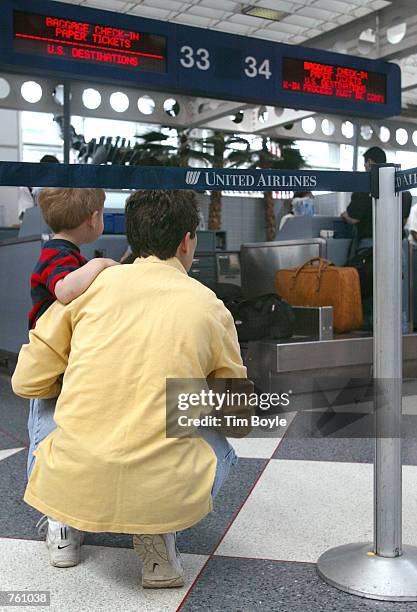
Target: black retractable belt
161,177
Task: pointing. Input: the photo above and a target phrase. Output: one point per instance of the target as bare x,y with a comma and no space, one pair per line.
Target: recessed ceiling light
264,13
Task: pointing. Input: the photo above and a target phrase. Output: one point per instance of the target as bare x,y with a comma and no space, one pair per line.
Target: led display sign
79,41
307,76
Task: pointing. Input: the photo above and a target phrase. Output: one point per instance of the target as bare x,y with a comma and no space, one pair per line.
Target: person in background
46,159
28,196
359,214
62,273
411,225
49,159
302,203
407,201
359,211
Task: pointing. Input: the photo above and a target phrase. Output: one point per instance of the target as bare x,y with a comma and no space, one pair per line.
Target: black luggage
267,316
363,262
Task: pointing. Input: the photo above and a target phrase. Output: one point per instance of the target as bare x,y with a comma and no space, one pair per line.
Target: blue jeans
41,423
226,456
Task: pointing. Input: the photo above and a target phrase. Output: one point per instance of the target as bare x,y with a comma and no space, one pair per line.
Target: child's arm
76,282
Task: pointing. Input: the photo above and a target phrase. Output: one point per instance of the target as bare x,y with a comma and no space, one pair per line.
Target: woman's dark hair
302,194
157,221
49,159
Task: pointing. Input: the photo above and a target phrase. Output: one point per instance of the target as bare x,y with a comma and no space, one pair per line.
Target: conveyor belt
343,363
302,356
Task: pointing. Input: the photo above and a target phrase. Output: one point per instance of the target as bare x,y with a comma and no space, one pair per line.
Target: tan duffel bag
324,285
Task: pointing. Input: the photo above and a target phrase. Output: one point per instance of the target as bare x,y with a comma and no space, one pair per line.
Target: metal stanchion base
356,569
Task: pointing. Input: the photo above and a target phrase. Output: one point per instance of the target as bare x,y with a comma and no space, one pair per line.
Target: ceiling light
264,13
396,31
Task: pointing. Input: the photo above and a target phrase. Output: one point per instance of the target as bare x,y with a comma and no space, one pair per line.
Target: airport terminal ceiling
364,29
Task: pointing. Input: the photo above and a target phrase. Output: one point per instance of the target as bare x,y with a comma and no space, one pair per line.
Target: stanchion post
383,569
387,364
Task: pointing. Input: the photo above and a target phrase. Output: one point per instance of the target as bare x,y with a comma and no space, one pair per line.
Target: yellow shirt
109,466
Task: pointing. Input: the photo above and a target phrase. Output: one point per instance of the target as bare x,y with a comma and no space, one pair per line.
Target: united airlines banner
158,177
406,179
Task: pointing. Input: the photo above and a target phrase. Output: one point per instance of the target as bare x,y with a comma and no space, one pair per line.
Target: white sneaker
162,565
63,542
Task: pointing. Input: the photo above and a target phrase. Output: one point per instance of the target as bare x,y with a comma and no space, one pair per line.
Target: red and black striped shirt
58,258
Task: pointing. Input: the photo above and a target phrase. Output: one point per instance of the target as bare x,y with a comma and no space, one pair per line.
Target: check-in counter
261,260
304,228
303,358
259,264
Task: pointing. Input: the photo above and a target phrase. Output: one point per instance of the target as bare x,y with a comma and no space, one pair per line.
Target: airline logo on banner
191,178
210,179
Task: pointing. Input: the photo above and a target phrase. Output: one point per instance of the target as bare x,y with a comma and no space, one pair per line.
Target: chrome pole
382,569
387,365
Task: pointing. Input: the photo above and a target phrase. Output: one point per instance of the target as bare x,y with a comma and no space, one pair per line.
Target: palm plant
287,158
221,145
152,149
189,148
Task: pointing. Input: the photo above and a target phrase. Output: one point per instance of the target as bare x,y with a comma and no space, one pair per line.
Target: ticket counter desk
337,247
313,351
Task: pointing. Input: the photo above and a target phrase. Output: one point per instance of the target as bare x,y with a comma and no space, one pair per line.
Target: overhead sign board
78,41
53,38
346,83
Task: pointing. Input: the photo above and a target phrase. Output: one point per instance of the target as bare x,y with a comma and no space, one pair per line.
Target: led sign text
77,40
335,81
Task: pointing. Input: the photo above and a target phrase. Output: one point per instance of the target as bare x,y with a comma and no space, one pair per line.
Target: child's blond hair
67,209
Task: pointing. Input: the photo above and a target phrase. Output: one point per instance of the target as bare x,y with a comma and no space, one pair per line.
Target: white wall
242,219
9,151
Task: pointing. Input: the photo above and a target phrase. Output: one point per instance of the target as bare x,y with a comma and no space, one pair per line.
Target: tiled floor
285,503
